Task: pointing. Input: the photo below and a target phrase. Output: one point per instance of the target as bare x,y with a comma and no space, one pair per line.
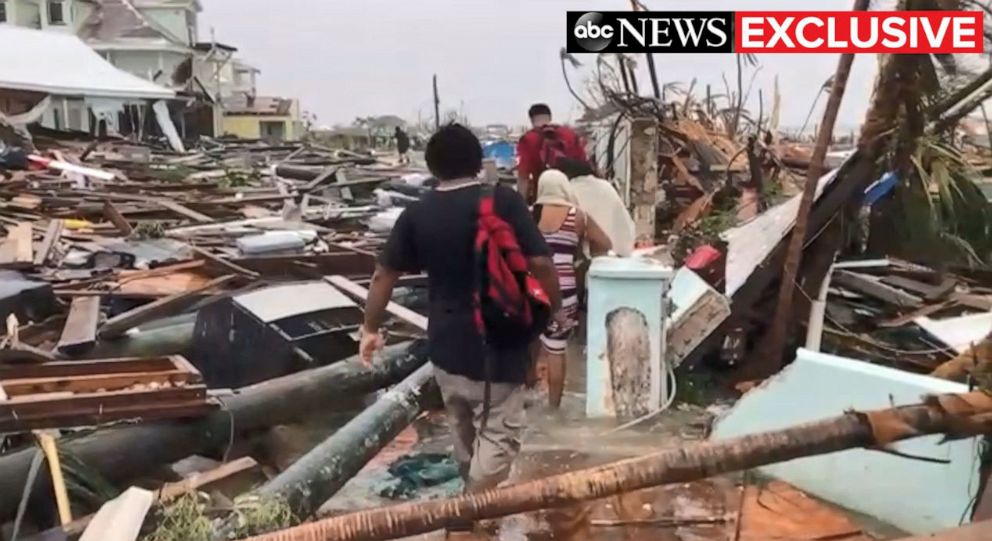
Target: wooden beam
52,236
359,293
325,176
17,250
79,332
929,292
225,264
872,287
186,211
197,481
114,216
166,306
348,263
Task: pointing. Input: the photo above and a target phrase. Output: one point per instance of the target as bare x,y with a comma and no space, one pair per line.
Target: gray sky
349,58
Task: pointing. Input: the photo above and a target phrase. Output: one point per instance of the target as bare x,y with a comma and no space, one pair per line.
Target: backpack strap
487,207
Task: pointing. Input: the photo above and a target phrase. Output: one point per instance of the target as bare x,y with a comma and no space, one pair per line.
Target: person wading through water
439,235
566,228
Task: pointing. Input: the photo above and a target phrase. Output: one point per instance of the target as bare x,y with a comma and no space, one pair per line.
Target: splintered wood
66,394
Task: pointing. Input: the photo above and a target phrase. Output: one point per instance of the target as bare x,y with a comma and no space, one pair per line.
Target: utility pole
437,106
793,258
655,87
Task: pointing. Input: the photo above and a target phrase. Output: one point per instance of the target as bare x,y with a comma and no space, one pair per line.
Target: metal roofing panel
62,64
284,301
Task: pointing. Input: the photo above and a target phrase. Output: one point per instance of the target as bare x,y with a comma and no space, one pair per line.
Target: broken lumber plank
929,292
52,236
909,317
17,250
687,463
185,211
46,440
171,491
873,287
978,302
326,176
114,216
359,293
121,323
224,264
79,332
123,453
319,474
120,519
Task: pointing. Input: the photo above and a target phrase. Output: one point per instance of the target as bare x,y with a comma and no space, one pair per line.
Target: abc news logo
643,32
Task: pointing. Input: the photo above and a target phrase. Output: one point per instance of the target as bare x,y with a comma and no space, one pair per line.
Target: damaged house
79,93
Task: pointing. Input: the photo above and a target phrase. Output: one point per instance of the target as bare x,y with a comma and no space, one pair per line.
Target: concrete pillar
643,177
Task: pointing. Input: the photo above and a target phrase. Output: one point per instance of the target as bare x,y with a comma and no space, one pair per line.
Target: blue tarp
504,152
880,188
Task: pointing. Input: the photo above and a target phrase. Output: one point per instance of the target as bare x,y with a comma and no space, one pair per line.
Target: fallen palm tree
319,474
122,454
957,416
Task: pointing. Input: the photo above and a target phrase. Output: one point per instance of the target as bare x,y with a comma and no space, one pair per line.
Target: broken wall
914,495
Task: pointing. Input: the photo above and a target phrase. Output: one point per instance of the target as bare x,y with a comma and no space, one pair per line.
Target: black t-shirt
436,235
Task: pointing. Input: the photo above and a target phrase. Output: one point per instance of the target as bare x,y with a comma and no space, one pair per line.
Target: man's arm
380,292
525,166
523,181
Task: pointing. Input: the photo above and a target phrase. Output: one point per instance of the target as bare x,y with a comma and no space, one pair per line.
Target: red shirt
529,161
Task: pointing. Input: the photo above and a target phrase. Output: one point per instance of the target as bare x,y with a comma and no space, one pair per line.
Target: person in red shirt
540,148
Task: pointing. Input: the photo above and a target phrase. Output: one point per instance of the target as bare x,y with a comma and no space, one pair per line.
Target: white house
62,74
56,15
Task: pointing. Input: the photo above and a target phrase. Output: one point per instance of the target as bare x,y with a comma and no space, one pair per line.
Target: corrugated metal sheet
281,302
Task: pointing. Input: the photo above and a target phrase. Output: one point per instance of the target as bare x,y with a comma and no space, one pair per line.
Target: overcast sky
349,58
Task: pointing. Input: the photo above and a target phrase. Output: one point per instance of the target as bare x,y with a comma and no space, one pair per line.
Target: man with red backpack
492,286
540,148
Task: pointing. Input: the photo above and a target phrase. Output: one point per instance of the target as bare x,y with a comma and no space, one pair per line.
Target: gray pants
485,458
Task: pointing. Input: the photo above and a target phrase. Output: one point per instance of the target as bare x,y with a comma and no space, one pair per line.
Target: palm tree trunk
121,454
963,415
780,323
319,474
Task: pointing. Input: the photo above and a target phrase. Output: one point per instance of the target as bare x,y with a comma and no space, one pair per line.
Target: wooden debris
79,332
874,287
17,250
126,452
121,323
46,440
680,465
111,213
65,394
52,236
199,481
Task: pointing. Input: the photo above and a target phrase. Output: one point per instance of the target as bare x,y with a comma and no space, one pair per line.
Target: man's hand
371,342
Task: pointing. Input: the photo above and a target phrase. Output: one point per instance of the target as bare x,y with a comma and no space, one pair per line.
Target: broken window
56,13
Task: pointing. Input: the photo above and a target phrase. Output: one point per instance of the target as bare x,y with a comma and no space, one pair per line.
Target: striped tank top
563,244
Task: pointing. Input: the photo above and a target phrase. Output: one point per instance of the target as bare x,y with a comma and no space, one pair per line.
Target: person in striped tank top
565,228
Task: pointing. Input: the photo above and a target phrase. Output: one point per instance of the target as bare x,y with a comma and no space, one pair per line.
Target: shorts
555,337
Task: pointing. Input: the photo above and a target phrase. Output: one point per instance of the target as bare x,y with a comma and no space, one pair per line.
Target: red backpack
511,307
553,145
